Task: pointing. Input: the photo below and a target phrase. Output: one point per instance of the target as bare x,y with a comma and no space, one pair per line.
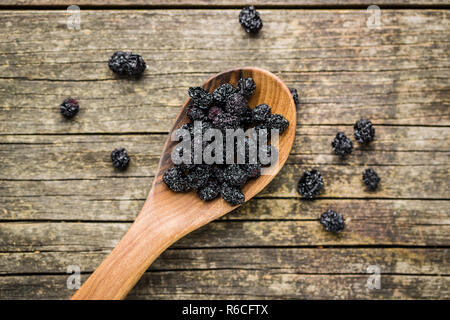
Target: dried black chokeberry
199,176
200,97
235,175
332,221
246,87
69,108
310,184
232,195
195,113
176,179
364,131
261,113
120,158
222,93
214,112
250,20
236,105
371,178
295,96
127,64
252,170
226,121
209,191
342,145
277,121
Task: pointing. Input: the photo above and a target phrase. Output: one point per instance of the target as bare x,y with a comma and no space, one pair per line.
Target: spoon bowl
167,216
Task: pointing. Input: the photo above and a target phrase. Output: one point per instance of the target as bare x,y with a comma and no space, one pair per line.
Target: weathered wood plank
45,236
396,75
223,3
242,284
420,261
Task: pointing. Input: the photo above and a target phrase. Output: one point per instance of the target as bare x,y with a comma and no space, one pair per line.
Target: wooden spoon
167,216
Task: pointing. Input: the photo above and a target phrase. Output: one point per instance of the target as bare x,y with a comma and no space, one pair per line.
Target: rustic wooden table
62,204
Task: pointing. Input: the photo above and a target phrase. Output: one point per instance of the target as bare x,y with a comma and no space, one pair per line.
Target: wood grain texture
61,203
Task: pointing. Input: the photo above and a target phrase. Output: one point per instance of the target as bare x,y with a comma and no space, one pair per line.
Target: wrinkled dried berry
310,184
199,176
234,175
200,97
195,113
364,131
261,113
176,179
247,119
246,87
371,178
342,145
250,20
69,108
253,170
232,195
127,64
332,221
295,96
120,158
214,112
226,121
222,93
209,192
236,105
277,121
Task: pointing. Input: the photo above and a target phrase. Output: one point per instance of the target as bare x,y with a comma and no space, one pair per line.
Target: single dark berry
209,191
253,170
222,93
232,195
277,121
364,131
199,176
226,121
246,87
195,113
176,180
342,145
261,113
371,178
69,108
295,96
247,119
214,112
236,105
120,158
250,20
234,175
310,184
200,97
332,221
127,64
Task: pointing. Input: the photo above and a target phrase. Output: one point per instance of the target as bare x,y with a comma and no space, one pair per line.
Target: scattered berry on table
200,97
364,131
69,107
209,191
127,64
261,113
222,93
232,195
371,178
120,158
310,184
246,87
277,121
332,221
250,20
176,179
342,145
295,96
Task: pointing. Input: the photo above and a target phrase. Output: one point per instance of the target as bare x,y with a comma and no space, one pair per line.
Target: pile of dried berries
250,20
225,108
332,221
69,108
127,64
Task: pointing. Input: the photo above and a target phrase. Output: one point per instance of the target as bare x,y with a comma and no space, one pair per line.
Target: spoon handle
146,239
